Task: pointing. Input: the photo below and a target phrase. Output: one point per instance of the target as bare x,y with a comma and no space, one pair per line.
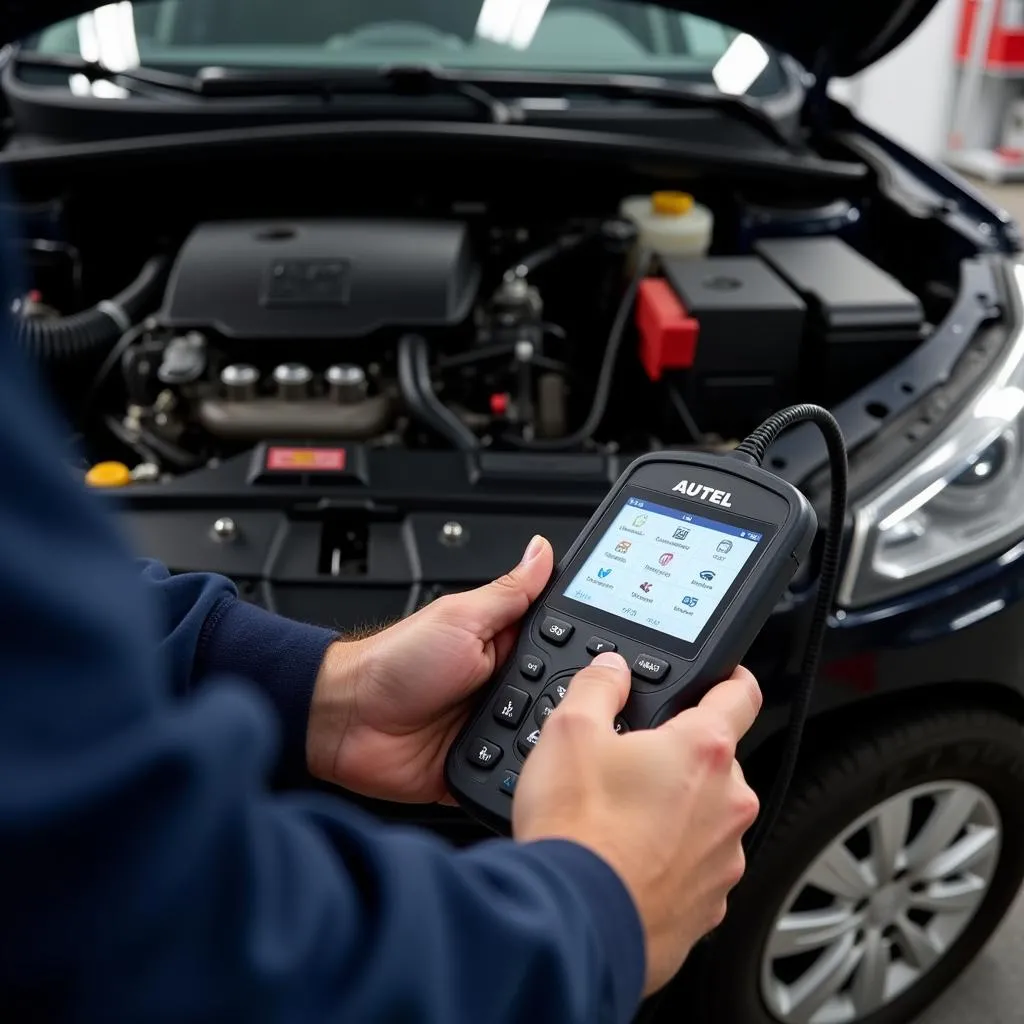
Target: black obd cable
753,450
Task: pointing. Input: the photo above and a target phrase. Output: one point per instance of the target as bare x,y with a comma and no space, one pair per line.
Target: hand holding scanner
677,570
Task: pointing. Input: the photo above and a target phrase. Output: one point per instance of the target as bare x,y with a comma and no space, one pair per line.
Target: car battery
747,327
861,321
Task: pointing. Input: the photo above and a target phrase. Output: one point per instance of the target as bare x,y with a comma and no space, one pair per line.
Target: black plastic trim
800,453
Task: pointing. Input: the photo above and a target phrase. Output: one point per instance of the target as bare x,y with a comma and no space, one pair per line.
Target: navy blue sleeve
148,875
207,630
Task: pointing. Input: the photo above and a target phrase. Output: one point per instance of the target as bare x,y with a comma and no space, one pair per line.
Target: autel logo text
702,493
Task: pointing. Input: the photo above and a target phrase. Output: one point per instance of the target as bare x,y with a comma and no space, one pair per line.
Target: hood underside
832,39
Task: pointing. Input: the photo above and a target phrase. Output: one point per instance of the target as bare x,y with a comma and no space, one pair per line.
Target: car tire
725,980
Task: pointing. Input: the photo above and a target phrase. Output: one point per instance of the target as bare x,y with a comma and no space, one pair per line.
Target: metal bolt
293,380
240,381
452,533
524,350
225,529
346,382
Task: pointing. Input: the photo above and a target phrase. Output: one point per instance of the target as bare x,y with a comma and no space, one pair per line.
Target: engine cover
280,280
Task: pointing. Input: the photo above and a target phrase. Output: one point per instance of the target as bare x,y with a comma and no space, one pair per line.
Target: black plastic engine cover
280,280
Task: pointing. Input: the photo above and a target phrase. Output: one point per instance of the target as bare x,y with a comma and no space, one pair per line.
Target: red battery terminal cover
668,334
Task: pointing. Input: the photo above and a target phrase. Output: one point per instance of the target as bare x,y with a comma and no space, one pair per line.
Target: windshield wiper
140,81
480,87
397,80
239,83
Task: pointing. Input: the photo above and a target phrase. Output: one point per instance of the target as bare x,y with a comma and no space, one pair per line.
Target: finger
737,702
734,704
490,609
599,691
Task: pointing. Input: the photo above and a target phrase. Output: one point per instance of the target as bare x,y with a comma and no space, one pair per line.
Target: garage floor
991,991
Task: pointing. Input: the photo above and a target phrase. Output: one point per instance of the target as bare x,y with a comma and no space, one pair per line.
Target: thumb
599,691
494,607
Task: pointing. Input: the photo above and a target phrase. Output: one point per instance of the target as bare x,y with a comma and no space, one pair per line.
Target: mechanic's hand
666,808
385,709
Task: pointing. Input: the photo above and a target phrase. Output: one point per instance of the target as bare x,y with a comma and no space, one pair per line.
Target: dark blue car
346,301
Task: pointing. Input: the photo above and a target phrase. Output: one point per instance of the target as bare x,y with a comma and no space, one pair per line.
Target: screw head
453,533
225,529
239,374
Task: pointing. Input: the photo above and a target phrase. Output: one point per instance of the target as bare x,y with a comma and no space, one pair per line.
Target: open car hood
834,39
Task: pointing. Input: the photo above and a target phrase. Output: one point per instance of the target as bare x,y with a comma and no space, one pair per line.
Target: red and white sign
306,460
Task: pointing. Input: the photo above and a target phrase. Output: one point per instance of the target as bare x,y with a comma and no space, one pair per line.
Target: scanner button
620,725
543,710
508,782
556,631
598,645
558,691
483,753
531,666
528,740
648,667
510,706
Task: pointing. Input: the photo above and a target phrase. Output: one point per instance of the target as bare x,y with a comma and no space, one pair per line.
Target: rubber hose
93,331
418,394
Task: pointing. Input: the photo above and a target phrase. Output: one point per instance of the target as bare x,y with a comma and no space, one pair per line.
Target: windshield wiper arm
142,81
410,80
397,80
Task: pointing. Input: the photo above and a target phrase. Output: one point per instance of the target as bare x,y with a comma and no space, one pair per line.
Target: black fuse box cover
862,321
748,349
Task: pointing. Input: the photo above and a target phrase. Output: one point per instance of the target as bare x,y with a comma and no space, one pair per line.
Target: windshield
620,36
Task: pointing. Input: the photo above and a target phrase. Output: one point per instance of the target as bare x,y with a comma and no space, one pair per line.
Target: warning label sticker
306,460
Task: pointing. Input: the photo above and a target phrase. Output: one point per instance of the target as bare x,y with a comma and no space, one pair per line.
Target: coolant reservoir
672,224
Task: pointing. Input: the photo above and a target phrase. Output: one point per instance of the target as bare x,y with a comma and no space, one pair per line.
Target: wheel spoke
888,830
979,844
837,871
810,929
919,949
950,897
818,985
868,989
948,817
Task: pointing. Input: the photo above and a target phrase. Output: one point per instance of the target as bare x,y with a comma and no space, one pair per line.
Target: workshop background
954,93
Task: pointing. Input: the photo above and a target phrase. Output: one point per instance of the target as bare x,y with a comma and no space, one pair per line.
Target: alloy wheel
880,906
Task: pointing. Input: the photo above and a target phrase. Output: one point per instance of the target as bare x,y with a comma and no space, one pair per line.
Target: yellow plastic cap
109,474
672,203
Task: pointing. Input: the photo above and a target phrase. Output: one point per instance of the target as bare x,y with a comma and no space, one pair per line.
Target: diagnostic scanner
677,571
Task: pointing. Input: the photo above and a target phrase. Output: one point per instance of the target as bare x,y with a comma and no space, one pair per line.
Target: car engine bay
427,334
351,412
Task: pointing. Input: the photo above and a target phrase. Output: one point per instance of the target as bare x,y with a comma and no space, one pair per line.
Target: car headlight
959,502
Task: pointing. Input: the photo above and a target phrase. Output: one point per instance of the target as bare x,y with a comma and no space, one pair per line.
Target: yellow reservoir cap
673,204
109,474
